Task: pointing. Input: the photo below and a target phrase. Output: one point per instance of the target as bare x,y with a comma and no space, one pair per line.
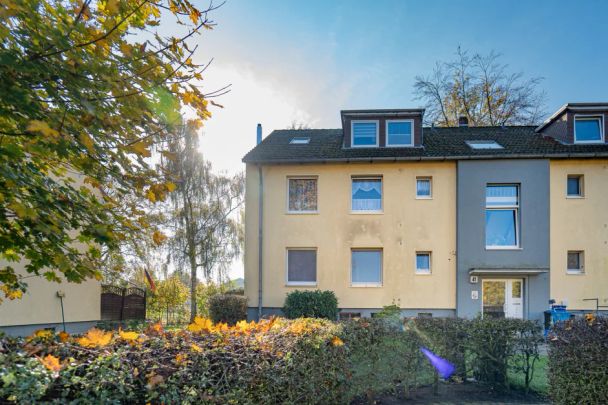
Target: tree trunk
192,254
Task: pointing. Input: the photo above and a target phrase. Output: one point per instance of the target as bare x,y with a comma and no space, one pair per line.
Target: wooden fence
119,304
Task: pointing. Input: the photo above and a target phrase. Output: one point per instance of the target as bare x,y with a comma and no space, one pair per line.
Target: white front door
503,298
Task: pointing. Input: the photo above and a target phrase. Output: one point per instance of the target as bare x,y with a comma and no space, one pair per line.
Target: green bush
578,361
311,304
271,362
382,358
448,338
228,308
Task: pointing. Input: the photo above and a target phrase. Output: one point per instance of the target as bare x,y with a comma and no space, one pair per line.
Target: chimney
259,134
463,121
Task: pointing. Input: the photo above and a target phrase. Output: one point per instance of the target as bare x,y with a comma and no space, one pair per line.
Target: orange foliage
95,338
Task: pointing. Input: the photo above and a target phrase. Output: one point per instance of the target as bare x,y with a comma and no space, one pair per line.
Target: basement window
484,145
300,140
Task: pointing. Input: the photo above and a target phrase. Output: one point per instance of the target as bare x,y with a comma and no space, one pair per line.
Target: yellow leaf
95,338
125,49
336,341
112,6
63,336
42,334
180,358
158,237
141,148
128,336
200,324
41,127
195,15
170,186
51,363
87,141
196,348
151,196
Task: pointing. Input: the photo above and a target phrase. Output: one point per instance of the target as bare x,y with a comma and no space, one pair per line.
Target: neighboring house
441,221
40,306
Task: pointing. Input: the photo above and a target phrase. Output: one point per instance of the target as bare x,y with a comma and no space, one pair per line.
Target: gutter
434,158
260,238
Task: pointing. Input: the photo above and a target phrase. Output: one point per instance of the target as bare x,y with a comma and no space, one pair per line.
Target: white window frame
381,210
581,186
399,145
367,285
581,260
287,199
301,283
352,133
588,117
515,208
424,197
423,272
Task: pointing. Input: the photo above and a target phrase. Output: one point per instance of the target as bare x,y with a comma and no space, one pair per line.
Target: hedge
228,308
266,362
578,361
312,304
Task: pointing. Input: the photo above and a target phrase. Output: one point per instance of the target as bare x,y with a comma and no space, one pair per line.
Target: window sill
503,248
302,212
575,197
420,273
366,285
367,212
424,198
300,284
575,273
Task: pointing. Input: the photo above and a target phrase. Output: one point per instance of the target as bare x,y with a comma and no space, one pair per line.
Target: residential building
440,221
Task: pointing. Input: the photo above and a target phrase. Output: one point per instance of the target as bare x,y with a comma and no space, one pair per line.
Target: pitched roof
438,144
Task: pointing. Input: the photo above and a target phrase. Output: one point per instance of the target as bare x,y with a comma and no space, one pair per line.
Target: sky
304,61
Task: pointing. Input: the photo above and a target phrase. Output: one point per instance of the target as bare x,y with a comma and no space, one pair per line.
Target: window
423,262
588,129
575,186
423,187
299,140
575,262
366,267
364,133
302,195
502,216
367,194
399,133
484,145
301,266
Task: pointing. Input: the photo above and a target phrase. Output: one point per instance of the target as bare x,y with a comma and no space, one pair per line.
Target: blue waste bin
559,313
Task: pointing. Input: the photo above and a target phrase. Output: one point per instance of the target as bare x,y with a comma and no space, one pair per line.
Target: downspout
457,236
260,225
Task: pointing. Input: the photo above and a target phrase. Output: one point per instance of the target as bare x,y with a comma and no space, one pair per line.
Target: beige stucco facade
405,226
40,305
579,224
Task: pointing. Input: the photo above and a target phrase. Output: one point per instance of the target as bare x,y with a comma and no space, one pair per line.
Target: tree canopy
482,89
89,89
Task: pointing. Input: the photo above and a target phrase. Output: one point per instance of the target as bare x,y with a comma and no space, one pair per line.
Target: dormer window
364,134
299,140
588,129
399,133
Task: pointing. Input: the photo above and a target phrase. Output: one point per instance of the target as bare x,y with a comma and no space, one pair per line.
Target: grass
539,383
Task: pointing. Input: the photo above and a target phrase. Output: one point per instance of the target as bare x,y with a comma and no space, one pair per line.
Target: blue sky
304,61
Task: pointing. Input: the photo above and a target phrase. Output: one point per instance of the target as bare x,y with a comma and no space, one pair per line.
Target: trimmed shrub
274,361
578,361
382,358
448,338
227,308
311,304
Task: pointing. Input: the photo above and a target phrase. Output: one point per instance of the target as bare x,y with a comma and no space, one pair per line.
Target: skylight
484,145
299,141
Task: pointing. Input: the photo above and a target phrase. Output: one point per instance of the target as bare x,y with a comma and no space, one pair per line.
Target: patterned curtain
367,195
302,194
